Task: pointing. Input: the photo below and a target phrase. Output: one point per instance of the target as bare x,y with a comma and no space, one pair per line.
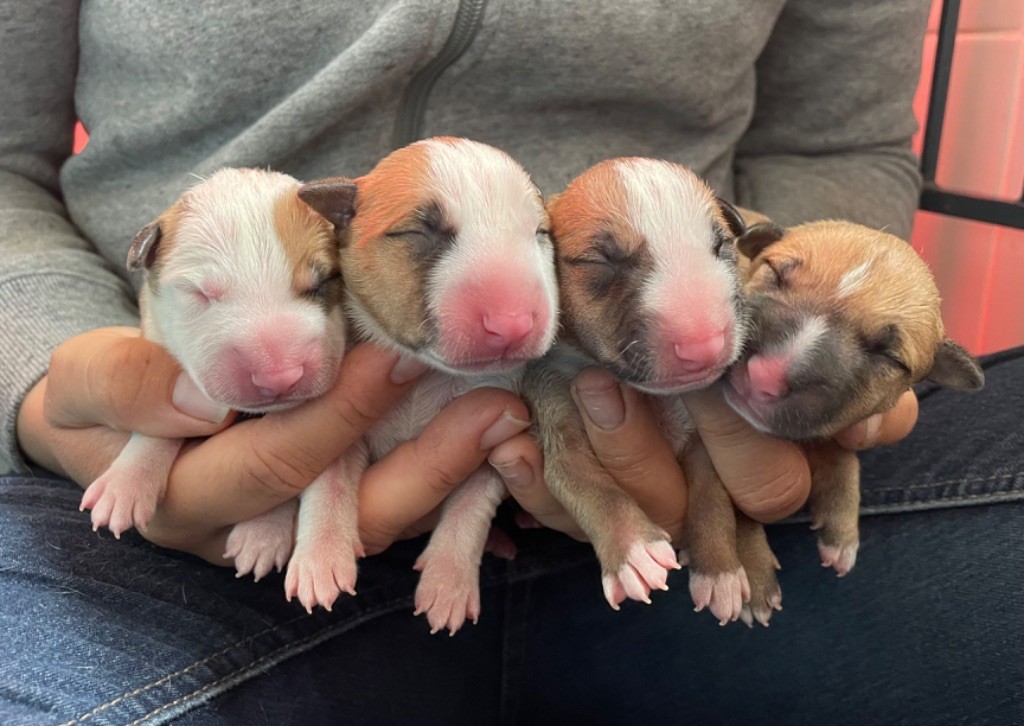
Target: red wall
979,267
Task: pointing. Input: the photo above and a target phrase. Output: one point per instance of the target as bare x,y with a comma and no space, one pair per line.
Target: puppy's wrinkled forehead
639,202
249,224
468,187
870,278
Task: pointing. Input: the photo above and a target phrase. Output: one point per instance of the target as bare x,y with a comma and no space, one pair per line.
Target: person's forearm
831,131
53,284
879,188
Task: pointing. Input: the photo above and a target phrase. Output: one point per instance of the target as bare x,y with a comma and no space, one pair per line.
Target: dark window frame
933,197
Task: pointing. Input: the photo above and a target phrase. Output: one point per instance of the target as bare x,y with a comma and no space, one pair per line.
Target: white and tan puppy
446,258
843,320
241,285
649,291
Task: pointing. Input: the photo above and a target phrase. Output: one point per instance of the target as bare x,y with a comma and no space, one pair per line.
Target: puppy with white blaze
241,285
446,258
649,291
843,320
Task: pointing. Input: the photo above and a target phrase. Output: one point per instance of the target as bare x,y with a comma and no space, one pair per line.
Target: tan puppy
241,286
843,320
648,285
447,259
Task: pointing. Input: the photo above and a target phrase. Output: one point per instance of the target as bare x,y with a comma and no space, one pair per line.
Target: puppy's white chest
421,403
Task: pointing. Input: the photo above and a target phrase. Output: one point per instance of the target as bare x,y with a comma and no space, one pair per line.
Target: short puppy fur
447,259
241,285
843,320
649,291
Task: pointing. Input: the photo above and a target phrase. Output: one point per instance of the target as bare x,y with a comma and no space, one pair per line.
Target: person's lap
926,629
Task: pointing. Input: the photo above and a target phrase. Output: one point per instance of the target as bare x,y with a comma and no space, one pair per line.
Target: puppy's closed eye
782,269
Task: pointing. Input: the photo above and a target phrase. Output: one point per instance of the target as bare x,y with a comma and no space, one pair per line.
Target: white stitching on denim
255,663
159,681
946,482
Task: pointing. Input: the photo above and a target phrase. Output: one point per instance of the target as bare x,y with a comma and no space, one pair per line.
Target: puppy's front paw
448,591
841,556
263,543
645,568
121,498
320,571
723,593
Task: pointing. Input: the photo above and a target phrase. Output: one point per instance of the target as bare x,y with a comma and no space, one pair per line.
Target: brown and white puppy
447,259
649,290
241,285
843,320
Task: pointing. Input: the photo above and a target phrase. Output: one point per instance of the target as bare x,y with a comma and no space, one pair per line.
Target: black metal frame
933,198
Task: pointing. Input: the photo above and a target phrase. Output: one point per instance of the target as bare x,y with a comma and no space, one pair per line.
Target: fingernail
503,429
517,474
407,368
871,426
603,404
188,399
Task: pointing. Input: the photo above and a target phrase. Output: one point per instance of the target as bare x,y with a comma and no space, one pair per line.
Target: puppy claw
723,594
260,544
121,499
448,592
319,573
645,569
841,558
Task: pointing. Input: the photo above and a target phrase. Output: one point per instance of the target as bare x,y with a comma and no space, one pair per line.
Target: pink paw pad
723,594
841,558
319,573
500,544
119,503
645,569
448,592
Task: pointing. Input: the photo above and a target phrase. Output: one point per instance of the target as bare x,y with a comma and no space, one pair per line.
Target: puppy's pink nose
274,383
700,354
767,375
505,329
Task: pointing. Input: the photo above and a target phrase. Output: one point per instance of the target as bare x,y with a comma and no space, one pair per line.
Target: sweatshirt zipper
409,123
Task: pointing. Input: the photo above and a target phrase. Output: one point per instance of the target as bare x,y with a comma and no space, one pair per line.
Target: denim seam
186,669
871,510
260,660
945,482
485,581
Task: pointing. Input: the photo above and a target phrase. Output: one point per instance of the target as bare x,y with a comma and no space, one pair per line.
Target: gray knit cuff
40,309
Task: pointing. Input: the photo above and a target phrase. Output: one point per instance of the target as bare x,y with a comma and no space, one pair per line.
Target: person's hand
769,478
627,441
109,382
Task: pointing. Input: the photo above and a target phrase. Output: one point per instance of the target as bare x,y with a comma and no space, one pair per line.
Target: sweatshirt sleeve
831,131
53,283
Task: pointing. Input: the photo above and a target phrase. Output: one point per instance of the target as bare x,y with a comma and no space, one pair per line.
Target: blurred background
979,267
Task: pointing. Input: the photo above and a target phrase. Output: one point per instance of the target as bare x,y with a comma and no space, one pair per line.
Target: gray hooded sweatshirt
797,108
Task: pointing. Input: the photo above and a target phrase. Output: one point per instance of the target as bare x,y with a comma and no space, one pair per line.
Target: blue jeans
928,629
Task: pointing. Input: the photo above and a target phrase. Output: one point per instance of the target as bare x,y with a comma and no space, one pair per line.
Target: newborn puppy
843,320
649,290
241,286
447,259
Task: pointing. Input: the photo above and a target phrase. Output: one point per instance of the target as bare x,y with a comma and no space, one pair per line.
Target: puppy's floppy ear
955,368
142,252
333,198
758,237
733,219
549,202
